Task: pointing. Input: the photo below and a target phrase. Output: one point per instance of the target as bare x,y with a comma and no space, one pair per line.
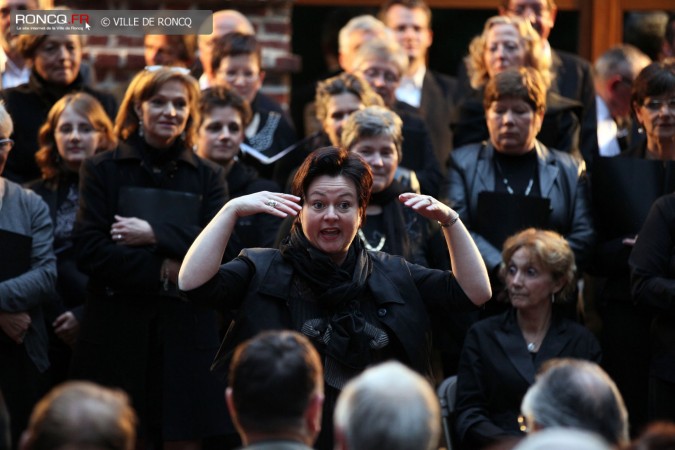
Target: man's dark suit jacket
573,80
436,106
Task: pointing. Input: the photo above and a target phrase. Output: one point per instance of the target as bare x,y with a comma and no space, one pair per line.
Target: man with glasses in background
573,77
13,67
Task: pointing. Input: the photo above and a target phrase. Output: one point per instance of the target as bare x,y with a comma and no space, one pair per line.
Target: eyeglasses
6,145
521,10
655,104
387,75
175,69
5,11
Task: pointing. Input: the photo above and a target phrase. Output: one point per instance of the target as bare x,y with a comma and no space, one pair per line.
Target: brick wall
115,59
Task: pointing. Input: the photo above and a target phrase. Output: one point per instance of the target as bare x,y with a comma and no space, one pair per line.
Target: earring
641,130
140,128
552,297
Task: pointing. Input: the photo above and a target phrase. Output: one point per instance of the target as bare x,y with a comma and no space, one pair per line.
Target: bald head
224,21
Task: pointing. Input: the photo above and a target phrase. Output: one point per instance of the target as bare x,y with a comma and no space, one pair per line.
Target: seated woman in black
502,354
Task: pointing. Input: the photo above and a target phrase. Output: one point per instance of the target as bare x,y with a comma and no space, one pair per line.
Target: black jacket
132,331
496,369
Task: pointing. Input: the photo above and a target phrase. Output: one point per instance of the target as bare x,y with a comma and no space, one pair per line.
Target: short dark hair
655,79
222,97
333,162
273,377
523,83
410,4
235,44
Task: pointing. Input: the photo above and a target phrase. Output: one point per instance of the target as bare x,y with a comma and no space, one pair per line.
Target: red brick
135,62
97,40
277,28
276,44
130,41
290,63
106,61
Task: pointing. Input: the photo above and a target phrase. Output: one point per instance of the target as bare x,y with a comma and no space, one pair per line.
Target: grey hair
388,406
575,393
6,123
365,22
373,121
563,439
625,60
382,50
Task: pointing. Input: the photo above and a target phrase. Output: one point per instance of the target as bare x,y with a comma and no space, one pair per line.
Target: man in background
275,393
431,92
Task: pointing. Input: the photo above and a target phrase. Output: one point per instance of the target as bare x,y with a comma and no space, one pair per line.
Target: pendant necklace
505,180
377,248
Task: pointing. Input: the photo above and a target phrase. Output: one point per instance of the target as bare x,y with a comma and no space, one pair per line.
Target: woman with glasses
625,334
652,249
141,206
502,354
77,127
55,62
27,278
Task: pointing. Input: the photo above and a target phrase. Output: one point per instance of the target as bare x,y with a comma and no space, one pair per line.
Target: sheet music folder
159,205
15,249
501,215
624,190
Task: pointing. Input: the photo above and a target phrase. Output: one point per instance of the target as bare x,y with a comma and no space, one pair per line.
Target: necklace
505,180
534,344
377,248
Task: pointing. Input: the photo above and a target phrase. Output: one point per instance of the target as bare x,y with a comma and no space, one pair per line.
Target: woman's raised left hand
427,206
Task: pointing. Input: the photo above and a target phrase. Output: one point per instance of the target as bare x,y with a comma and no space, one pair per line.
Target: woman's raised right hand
273,203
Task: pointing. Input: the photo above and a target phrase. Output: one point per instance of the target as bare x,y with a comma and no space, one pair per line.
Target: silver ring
272,203
118,237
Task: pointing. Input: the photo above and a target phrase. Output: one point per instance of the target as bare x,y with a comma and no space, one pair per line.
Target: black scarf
338,291
334,285
393,218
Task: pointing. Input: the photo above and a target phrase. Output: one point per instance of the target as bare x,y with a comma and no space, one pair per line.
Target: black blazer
496,369
574,80
418,150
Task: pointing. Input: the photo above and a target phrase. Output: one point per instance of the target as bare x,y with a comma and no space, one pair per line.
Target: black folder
16,250
160,205
501,215
624,190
